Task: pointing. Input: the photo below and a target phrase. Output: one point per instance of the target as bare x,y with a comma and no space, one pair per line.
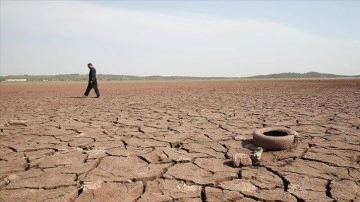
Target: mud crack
285,181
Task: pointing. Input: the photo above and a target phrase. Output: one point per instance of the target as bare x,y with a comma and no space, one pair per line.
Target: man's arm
92,75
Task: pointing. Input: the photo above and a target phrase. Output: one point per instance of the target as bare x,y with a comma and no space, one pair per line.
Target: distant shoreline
178,80
110,77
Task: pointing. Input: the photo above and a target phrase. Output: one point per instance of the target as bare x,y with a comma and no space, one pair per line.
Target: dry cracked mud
173,141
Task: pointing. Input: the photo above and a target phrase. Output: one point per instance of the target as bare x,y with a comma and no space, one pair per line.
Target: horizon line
184,76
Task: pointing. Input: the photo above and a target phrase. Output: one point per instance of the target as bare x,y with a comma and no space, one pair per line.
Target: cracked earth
173,141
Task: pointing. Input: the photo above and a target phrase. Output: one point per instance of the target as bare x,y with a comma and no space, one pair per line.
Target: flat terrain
173,141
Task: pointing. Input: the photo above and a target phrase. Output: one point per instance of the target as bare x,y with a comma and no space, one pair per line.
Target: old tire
275,138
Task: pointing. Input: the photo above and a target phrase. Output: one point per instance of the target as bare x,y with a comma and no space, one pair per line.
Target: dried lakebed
173,141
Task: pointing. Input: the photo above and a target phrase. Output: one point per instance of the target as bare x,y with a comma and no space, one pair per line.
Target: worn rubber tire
275,142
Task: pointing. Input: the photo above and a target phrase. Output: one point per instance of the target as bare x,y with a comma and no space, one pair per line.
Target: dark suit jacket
92,76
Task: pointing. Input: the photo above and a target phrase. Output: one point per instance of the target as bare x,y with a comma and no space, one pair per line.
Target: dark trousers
89,87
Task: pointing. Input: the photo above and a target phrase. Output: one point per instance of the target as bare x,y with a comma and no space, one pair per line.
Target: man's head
89,65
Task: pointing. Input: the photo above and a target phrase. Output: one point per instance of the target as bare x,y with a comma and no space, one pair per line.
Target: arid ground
173,141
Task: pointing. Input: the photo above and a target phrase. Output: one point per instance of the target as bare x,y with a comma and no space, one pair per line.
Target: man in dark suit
92,81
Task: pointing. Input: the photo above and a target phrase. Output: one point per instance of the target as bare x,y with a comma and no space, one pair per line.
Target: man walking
92,82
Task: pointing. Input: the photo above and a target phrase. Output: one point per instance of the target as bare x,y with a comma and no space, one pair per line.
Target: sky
179,38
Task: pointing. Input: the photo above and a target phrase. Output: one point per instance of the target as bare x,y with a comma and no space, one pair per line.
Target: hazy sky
188,38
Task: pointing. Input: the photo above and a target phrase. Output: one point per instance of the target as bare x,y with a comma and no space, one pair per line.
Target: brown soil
164,141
